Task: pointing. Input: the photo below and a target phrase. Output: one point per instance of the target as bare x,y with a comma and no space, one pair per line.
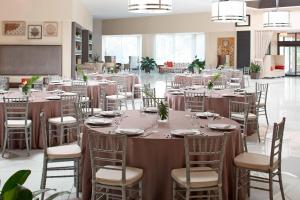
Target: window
121,46
180,47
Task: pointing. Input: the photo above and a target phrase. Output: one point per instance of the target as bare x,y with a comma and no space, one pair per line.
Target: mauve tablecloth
37,103
157,155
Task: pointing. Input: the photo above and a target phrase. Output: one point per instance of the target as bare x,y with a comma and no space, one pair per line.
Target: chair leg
220,194
237,183
265,108
187,194
174,190
123,193
4,142
281,185
77,178
30,137
43,181
271,185
141,190
93,190
257,130
61,134
27,141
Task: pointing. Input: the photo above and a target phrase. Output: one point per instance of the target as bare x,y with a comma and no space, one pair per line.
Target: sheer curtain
122,46
179,47
262,42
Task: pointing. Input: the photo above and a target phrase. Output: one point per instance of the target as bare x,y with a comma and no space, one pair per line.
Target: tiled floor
284,100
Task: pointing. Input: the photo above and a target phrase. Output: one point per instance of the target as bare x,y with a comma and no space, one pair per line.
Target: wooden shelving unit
87,46
77,44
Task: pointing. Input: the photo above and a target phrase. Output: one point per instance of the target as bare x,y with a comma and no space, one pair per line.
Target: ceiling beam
272,3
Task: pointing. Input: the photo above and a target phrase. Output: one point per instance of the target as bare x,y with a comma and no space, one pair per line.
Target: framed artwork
14,28
226,48
246,23
50,29
34,31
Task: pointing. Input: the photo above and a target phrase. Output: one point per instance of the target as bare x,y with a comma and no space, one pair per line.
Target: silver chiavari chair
52,78
59,154
246,75
262,104
16,122
259,163
115,102
152,102
239,112
80,88
64,125
176,85
197,80
110,172
4,83
202,177
194,101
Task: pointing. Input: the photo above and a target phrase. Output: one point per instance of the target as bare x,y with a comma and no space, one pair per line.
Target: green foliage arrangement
254,67
196,64
210,83
13,188
162,107
27,84
80,71
148,64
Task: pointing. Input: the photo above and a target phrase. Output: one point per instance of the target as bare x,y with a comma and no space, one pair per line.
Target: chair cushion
66,120
115,97
114,177
199,179
128,94
95,110
240,116
18,123
64,152
138,85
84,99
261,104
254,161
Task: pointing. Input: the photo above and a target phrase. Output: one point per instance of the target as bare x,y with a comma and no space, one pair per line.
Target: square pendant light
149,6
228,11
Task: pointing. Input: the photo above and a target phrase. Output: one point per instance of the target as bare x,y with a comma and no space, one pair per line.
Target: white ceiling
110,9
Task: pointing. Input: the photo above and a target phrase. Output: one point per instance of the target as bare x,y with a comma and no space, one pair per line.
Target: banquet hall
149,99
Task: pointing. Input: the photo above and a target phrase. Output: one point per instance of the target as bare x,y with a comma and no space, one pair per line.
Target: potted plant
196,65
148,64
254,70
13,189
27,84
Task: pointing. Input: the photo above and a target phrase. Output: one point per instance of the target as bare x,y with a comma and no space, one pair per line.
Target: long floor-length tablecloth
157,154
37,103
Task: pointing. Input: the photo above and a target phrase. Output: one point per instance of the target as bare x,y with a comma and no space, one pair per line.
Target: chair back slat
263,88
108,151
44,132
152,102
67,105
80,88
210,150
194,101
277,139
16,108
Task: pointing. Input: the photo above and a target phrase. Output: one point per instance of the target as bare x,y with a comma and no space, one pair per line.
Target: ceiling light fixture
277,18
149,6
228,11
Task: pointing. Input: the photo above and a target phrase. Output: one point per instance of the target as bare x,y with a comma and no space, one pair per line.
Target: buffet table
157,153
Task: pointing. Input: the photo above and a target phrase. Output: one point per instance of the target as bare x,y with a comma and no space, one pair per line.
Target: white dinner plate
228,95
53,98
3,91
222,127
173,90
98,121
151,110
177,93
183,132
110,113
130,131
206,114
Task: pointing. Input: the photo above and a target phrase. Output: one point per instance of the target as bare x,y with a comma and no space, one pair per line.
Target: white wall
38,11
97,37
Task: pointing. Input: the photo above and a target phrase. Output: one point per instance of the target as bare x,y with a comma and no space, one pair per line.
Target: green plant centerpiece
162,107
27,84
81,71
254,70
196,64
148,64
13,188
211,83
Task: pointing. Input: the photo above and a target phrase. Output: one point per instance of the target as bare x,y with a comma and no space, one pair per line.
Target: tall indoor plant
148,64
196,65
254,70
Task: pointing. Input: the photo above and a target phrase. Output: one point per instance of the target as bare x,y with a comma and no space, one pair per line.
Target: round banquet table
157,154
131,79
93,88
37,103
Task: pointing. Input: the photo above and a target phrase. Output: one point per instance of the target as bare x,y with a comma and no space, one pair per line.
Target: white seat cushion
18,123
138,85
84,99
66,120
240,116
64,151
115,97
199,179
114,177
127,94
254,161
95,110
